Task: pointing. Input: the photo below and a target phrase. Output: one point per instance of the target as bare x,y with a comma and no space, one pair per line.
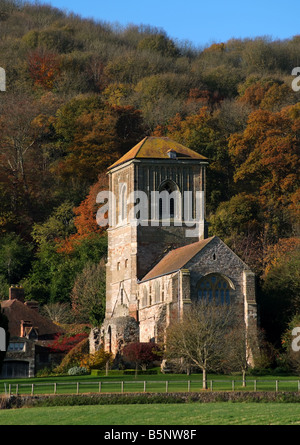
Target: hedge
148,398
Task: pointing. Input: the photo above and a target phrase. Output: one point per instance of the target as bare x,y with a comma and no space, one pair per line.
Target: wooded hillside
81,93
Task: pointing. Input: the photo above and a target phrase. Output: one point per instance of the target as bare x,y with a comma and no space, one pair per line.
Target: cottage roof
152,147
16,311
176,259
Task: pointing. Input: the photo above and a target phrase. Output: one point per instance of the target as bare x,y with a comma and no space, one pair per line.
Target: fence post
122,386
254,385
276,385
54,388
211,385
32,389
17,389
232,385
145,386
77,387
9,389
99,386
298,385
189,386
167,383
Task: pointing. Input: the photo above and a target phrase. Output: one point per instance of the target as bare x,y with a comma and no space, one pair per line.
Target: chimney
16,293
31,304
23,325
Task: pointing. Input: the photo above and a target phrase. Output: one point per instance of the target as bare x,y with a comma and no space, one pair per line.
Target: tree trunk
204,382
244,378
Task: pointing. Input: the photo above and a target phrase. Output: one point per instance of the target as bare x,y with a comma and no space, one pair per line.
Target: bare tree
200,337
57,312
241,348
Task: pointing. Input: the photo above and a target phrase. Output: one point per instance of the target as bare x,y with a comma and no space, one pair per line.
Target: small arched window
157,293
145,297
126,263
169,204
123,203
216,288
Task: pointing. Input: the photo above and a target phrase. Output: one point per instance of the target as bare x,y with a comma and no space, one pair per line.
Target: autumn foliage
98,360
80,94
64,343
141,354
85,217
44,68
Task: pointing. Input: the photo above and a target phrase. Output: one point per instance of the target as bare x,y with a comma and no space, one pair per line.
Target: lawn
223,413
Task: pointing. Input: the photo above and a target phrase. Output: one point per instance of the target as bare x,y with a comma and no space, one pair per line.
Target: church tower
150,184
159,256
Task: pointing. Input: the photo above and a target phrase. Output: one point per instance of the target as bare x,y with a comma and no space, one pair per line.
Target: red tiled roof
16,311
157,148
176,259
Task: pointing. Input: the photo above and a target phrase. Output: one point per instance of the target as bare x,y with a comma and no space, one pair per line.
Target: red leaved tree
141,354
64,343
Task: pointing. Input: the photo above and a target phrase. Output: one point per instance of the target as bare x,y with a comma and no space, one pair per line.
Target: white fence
150,386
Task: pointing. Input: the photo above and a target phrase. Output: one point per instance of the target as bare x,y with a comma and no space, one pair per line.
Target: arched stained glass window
216,288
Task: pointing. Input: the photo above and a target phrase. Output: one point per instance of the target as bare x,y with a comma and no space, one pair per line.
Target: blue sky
201,22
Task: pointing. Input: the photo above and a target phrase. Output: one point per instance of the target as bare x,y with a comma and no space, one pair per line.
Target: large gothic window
215,287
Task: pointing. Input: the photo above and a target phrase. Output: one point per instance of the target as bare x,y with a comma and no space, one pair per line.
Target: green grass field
223,413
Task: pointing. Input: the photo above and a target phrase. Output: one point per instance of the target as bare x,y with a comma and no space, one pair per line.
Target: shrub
77,370
140,372
260,371
45,372
65,343
96,372
74,357
99,360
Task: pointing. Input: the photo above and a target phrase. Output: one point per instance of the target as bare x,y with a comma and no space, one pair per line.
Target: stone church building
159,257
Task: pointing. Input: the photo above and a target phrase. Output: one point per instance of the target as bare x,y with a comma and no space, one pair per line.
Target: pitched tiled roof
176,259
157,148
16,311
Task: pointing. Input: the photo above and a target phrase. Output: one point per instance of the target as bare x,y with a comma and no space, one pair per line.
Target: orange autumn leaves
85,218
44,68
266,154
